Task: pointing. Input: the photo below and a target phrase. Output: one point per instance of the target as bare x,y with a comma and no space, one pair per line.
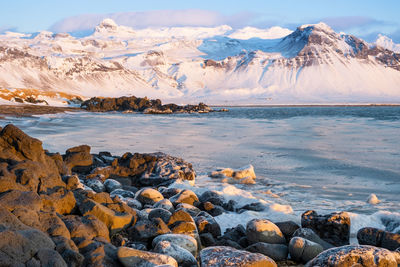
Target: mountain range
218,65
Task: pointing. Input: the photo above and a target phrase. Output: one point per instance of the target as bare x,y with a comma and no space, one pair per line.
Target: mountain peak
319,26
107,24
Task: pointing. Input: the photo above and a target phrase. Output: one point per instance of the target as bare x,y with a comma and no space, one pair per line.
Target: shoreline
26,110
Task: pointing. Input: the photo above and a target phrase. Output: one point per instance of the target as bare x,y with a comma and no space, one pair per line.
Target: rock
163,214
277,252
144,229
86,228
309,234
112,185
288,228
244,172
185,196
334,228
256,206
352,255
373,199
133,203
169,192
181,255
130,257
235,233
262,230
213,197
73,182
247,180
15,199
185,241
192,210
227,256
207,240
48,257
378,238
207,224
59,200
68,250
96,185
231,205
114,221
212,209
78,158
148,196
122,193
303,250
165,204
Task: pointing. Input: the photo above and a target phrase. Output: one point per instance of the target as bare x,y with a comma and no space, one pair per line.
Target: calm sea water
324,158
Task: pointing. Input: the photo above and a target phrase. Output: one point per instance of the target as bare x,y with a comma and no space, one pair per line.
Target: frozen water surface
323,158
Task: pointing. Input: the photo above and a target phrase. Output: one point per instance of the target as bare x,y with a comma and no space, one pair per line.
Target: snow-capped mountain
218,65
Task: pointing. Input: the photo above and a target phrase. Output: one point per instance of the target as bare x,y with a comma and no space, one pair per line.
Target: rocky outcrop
145,105
379,238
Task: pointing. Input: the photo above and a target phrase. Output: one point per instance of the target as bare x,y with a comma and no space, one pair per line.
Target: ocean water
322,158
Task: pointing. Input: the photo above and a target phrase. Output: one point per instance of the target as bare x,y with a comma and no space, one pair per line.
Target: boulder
212,209
78,158
192,210
145,229
165,204
334,228
15,199
309,234
181,255
96,185
130,257
163,214
227,256
112,185
246,171
352,255
378,238
59,200
207,224
122,193
288,228
235,233
148,196
185,241
212,196
262,230
185,196
303,250
277,252
49,257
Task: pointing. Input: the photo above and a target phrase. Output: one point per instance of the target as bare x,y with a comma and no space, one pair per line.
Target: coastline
26,110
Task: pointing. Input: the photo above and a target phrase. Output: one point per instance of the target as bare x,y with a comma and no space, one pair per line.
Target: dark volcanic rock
378,238
277,252
309,234
227,256
333,228
303,250
288,228
353,255
207,224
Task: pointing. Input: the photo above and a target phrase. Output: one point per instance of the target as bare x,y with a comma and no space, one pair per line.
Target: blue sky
364,18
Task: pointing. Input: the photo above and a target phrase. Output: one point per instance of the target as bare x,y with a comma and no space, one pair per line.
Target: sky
364,18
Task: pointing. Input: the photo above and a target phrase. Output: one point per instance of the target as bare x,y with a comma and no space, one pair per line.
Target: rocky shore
144,105
85,209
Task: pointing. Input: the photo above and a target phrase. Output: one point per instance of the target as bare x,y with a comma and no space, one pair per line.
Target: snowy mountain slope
313,64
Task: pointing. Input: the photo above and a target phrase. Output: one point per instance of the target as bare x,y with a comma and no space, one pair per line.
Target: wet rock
163,214
288,228
185,241
122,193
130,257
181,255
303,250
212,209
256,206
235,233
207,240
145,229
96,185
185,196
231,205
262,230
207,224
148,196
373,199
334,228
309,234
112,185
169,192
352,255
227,256
212,197
277,252
379,238
192,210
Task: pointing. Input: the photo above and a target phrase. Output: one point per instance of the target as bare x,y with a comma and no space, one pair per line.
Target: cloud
156,18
